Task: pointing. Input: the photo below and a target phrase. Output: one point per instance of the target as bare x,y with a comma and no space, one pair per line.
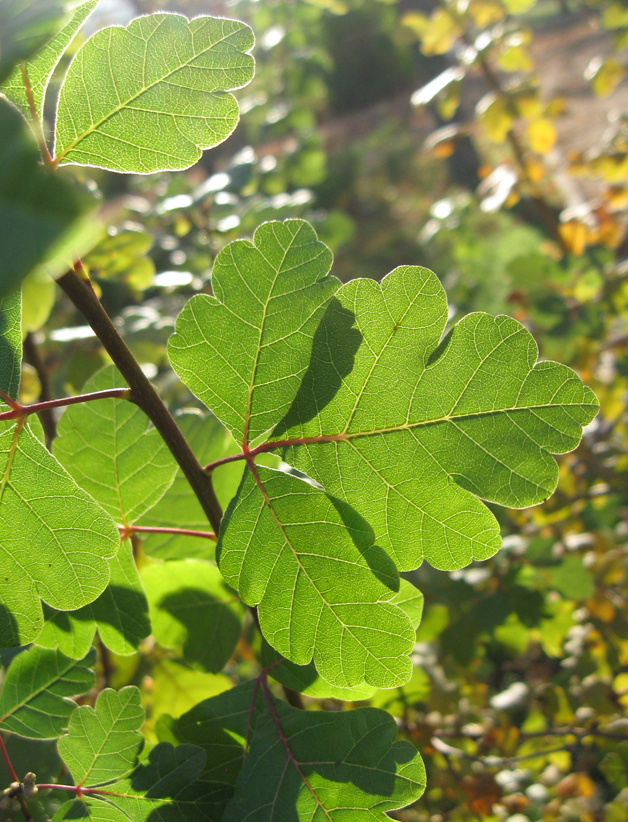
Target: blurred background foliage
487,140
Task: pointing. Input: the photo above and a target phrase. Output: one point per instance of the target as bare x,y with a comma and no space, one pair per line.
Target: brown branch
143,394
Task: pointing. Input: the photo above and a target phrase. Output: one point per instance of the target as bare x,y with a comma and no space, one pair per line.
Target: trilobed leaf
55,540
103,742
153,95
35,699
40,68
322,585
243,351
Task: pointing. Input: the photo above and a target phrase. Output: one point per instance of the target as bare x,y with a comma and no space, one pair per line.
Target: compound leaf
55,540
10,343
120,614
102,743
329,766
113,452
163,786
34,700
421,427
153,95
179,507
323,587
41,67
243,352
191,607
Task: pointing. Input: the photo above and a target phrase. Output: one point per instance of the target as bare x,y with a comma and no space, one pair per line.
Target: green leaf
306,679
421,426
39,210
10,343
179,507
219,725
25,26
103,742
55,540
329,766
41,67
243,352
153,95
120,614
192,608
322,585
34,700
113,452
163,786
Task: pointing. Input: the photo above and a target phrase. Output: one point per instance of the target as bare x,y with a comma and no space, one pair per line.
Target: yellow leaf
519,6
604,75
437,33
486,12
575,236
494,117
541,135
514,58
529,106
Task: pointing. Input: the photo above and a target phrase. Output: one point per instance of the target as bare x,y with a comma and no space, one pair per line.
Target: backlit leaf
35,696
192,608
103,742
56,541
269,298
341,765
41,67
113,452
322,585
153,95
422,428
10,343
25,26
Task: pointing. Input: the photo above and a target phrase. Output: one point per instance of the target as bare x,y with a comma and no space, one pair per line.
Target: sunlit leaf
10,343
35,699
26,26
152,96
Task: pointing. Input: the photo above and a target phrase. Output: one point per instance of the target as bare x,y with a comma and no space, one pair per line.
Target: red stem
251,453
39,129
77,789
18,410
7,760
127,530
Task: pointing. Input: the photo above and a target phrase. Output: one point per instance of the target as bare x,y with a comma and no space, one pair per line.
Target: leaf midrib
59,676
95,126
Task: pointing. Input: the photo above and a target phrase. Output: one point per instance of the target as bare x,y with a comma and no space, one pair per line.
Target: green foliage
41,67
352,430
113,453
192,609
153,95
34,699
102,743
56,541
270,295
10,343
26,26
38,209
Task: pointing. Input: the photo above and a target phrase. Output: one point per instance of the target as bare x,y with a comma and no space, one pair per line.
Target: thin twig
143,393
7,761
127,530
21,411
